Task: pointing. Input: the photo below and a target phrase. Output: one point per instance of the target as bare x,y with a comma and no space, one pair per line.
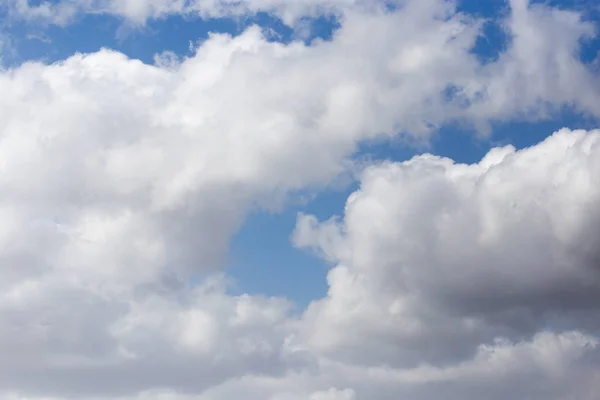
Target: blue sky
145,244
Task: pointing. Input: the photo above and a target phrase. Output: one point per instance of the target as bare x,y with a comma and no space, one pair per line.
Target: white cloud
530,77
121,182
434,258
114,148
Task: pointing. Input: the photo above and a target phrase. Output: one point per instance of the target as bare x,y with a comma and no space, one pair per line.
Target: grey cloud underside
120,181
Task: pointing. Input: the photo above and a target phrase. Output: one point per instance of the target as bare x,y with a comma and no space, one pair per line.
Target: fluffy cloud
434,258
190,340
99,148
121,183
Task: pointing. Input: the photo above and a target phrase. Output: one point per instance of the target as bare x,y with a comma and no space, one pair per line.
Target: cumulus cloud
190,340
434,258
121,183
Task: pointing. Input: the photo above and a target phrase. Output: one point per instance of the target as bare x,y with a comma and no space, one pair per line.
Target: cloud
139,11
118,149
434,258
121,183
191,340
550,366
529,78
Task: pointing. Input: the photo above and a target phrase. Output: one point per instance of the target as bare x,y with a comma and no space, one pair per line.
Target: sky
299,200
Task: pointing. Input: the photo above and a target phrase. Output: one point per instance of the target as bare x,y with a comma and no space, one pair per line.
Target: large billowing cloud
434,259
121,184
444,256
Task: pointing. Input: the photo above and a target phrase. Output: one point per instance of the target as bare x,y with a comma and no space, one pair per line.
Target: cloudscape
299,200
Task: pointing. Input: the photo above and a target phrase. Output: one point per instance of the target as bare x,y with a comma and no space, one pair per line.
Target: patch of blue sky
174,33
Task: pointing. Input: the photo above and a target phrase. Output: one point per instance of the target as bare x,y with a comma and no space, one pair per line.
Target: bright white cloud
121,182
434,258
